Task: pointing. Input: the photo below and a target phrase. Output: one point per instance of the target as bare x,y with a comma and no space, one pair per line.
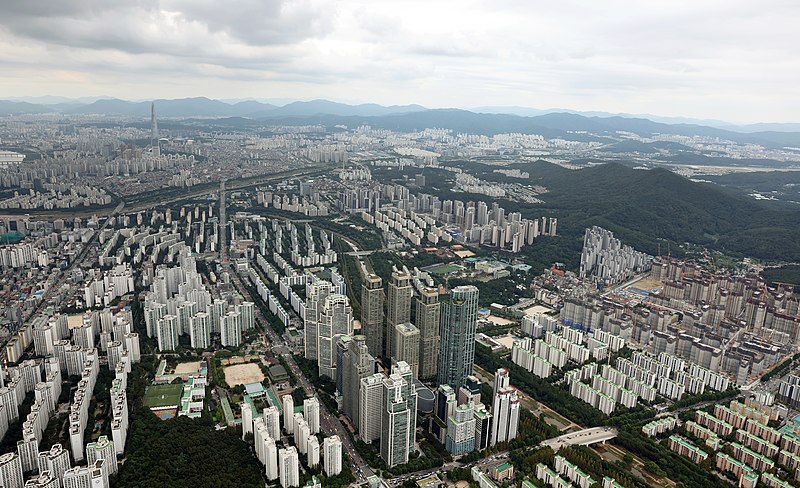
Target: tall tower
372,300
459,320
399,415
223,247
357,363
406,346
154,130
427,320
399,305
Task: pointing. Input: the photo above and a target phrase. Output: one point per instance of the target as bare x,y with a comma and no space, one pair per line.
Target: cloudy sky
736,60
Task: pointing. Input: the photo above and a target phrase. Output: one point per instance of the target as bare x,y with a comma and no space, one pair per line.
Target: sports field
444,269
243,374
160,396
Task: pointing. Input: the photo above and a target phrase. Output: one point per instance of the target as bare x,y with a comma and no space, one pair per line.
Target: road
75,262
583,437
329,424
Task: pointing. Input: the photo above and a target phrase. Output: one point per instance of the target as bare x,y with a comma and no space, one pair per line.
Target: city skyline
665,59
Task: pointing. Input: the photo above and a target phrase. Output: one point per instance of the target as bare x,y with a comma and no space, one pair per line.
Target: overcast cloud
734,60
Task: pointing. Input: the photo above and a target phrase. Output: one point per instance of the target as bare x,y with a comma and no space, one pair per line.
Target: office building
399,415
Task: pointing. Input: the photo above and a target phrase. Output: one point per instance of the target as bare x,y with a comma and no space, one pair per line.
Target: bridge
583,437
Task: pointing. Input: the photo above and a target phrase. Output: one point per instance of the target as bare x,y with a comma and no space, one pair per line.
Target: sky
733,60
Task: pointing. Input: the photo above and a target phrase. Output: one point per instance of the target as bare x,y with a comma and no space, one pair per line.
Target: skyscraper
154,130
357,364
427,321
398,309
399,415
406,345
370,408
372,300
459,319
223,246
335,321
328,316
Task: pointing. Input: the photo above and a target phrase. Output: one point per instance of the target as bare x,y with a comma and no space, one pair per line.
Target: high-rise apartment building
398,309
57,462
459,319
311,414
289,466
11,471
335,321
357,363
372,315
200,330
332,452
272,419
167,332
288,414
461,430
328,316
103,449
427,321
316,293
406,345
505,408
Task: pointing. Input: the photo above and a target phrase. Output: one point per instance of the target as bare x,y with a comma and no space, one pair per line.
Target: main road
75,262
328,422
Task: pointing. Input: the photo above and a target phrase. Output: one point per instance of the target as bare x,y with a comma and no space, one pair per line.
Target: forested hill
641,206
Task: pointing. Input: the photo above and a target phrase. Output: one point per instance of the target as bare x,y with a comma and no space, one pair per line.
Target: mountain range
485,120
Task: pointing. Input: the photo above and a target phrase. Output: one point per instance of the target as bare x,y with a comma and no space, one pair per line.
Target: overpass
583,437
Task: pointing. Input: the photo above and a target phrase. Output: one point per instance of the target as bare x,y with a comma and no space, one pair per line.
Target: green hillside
642,206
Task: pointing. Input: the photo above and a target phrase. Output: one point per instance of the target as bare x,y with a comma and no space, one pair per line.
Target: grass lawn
158,396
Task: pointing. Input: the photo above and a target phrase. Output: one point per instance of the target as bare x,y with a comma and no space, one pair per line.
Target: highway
329,424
